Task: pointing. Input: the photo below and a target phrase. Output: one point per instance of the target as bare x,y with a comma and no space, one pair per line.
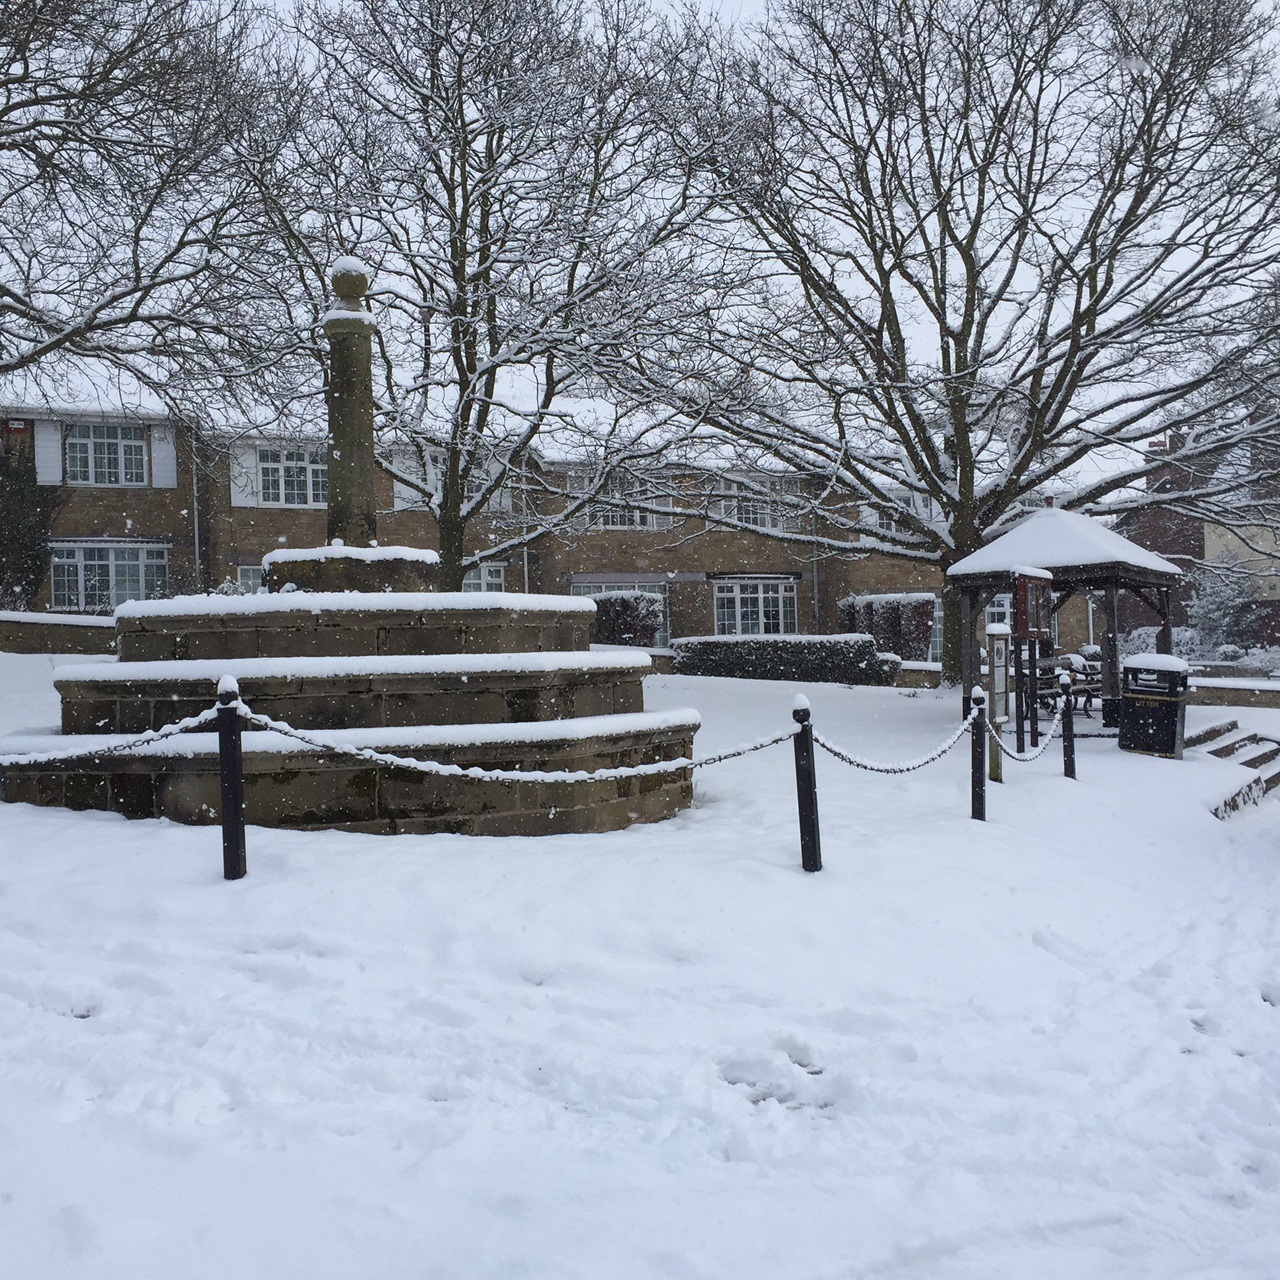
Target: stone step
1271,750
332,624
360,693
1210,734
307,790
1233,746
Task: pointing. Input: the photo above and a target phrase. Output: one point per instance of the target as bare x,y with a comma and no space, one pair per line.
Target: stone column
350,328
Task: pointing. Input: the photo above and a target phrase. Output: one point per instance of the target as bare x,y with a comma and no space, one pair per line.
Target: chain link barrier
116,748
1054,729
872,766
500,775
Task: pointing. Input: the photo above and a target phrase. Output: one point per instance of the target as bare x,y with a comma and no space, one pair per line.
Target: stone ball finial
350,279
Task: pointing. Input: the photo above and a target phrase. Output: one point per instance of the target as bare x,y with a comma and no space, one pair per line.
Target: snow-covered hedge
843,659
900,623
627,617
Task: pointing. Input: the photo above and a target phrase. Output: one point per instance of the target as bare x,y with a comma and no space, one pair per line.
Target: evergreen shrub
842,659
627,617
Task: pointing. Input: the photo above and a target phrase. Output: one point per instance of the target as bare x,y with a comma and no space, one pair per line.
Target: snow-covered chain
909,766
1039,751
503,775
118,748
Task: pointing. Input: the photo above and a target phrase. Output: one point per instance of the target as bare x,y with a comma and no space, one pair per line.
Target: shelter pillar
349,329
968,648
1164,641
1111,658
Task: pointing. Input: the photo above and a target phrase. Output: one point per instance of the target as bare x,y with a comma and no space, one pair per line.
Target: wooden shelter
1083,555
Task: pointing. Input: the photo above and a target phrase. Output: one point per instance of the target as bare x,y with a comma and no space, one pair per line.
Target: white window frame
95,577
756,503
622,489
485,577
281,471
662,637
756,606
106,455
249,578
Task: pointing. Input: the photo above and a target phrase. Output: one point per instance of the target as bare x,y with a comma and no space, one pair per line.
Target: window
94,579
293,477
249,578
663,636
485,577
105,454
935,640
1000,611
612,513
758,504
746,607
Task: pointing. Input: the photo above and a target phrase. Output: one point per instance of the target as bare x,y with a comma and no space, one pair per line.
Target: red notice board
1033,607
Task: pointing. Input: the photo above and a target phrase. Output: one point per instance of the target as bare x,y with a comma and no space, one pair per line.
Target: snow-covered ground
1043,1047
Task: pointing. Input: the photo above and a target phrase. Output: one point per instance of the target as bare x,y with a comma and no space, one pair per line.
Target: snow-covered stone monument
351,647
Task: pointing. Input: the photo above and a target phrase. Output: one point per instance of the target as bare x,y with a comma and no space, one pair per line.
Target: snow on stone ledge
353,601
791,638
1156,662
187,745
58,619
337,551
212,669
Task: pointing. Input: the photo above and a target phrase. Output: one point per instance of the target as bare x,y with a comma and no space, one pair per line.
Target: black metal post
1068,727
1033,691
231,769
807,790
978,743
1019,697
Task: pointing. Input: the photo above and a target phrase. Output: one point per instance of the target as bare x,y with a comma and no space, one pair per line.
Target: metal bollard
806,788
978,743
231,770
1068,727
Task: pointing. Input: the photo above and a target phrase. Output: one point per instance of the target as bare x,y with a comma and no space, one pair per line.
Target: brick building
147,512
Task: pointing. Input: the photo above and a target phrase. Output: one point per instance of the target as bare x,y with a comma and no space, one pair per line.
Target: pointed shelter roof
1076,549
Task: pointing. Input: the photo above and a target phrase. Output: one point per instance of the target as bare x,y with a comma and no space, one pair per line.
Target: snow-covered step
1211,733
1232,746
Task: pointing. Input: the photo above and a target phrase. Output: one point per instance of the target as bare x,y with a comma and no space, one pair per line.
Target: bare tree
121,212
1015,247
504,167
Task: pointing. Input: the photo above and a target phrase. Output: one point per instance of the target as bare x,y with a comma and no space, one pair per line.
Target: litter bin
1153,704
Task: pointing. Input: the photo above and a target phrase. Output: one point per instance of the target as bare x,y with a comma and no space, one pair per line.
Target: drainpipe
195,518
813,570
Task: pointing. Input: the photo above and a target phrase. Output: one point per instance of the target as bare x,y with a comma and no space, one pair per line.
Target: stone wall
319,792
39,633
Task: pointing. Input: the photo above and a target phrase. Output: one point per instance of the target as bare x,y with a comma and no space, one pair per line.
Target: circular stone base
339,568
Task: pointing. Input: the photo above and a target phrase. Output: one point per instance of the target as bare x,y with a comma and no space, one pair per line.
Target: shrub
901,623
843,659
627,617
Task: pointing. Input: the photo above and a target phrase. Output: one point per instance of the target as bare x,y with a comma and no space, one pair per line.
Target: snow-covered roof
1055,539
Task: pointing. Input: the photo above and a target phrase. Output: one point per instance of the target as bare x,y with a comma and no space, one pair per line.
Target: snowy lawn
1041,1047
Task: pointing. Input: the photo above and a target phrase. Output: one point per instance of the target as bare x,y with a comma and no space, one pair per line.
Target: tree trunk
952,647
452,530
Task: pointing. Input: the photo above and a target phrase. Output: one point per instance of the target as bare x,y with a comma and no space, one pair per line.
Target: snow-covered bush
844,659
1229,653
1224,608
1187,642
900,623
627,617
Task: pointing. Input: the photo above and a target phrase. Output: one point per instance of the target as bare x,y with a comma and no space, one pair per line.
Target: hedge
627,617
900,623
844,659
